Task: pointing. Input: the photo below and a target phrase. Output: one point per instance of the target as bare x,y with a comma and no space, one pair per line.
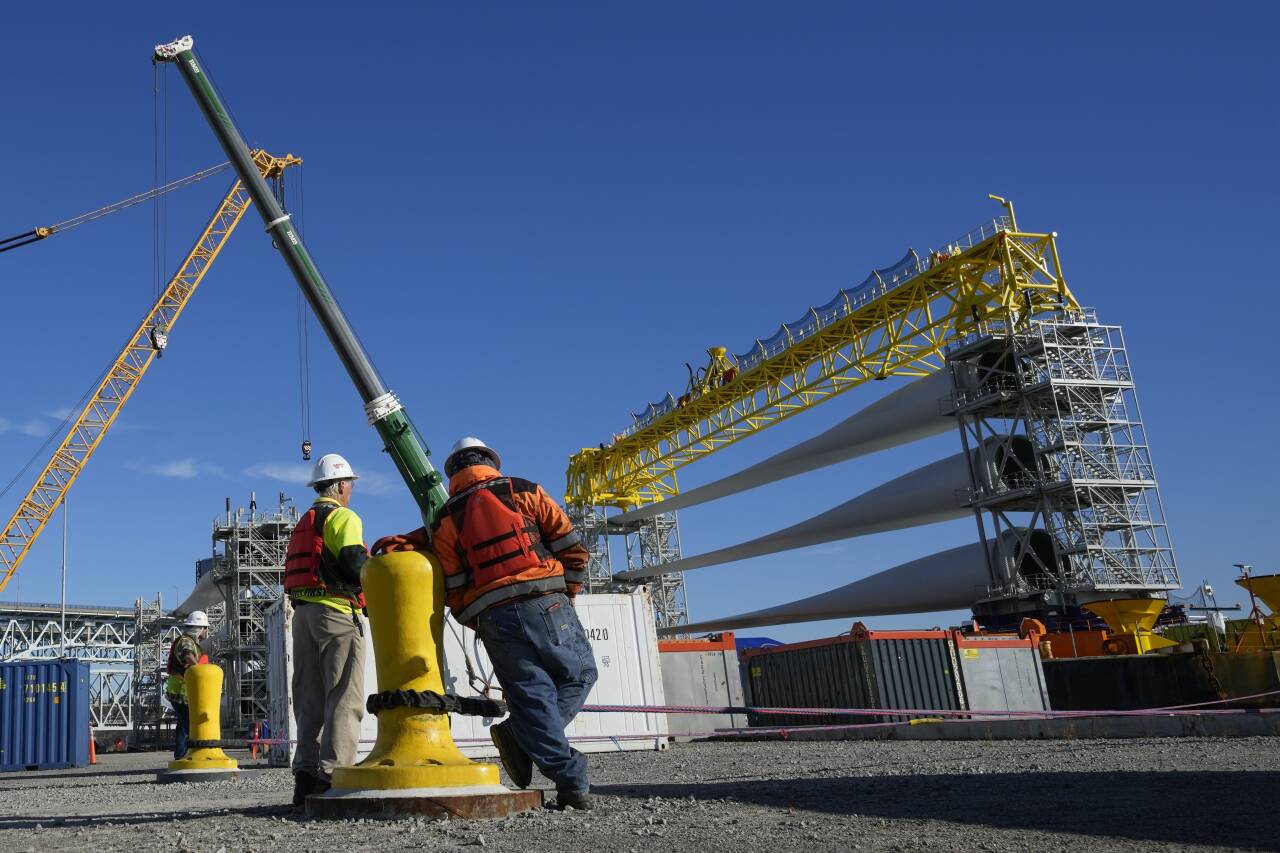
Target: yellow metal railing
1006,276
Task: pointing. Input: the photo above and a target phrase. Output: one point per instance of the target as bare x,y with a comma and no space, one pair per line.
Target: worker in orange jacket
512,565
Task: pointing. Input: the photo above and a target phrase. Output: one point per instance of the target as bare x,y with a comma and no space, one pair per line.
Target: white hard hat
470,442
197,619
331,466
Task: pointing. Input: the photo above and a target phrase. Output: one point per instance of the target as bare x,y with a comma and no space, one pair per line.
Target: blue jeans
543,661
181,728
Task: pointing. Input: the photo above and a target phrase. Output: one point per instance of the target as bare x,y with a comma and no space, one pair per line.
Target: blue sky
535,214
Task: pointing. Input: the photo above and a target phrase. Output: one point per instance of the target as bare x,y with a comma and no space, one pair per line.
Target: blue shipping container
44,715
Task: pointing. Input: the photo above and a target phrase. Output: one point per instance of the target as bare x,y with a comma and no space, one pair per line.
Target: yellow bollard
204,693
415,748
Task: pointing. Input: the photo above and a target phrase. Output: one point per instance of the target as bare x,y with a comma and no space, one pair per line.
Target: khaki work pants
328,688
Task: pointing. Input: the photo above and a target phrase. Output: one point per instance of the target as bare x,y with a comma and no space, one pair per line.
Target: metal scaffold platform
655,542
247,567
1065,384
646,542
153,633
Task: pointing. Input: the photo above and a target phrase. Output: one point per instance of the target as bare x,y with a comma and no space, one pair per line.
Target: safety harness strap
221,744
429,700
506,592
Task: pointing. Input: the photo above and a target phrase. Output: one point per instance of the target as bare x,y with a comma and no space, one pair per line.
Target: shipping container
44,715
1001,672
702,672
932,670
619,627
861,669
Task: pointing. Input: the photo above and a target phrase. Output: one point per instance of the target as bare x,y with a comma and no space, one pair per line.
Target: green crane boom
400,438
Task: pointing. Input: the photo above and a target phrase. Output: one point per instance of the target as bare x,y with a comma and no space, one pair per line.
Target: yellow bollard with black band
205,761
415,767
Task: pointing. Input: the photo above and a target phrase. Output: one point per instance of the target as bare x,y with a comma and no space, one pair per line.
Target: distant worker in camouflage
184,652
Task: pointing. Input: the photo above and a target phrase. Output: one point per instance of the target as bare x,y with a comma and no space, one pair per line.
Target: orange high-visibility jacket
542,554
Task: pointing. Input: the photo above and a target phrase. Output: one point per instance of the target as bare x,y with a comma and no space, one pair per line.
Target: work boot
322,785
580,800
304,784
515,760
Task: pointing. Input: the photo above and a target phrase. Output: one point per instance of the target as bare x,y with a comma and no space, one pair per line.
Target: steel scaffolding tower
592,527
128,648
1064,382
249,549
153,633
652,542
648,542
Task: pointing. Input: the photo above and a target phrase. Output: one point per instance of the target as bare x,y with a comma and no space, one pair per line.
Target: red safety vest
495,539
305,561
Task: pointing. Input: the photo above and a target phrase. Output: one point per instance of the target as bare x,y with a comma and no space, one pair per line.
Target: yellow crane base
1265,587
1132,618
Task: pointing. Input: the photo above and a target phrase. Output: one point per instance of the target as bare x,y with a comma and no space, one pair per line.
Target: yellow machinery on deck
896,328
1258,631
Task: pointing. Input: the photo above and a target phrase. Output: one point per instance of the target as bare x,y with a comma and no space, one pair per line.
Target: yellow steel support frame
114,390
1005,278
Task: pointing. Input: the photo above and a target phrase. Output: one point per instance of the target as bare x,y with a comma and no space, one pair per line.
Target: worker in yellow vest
185,651
322,579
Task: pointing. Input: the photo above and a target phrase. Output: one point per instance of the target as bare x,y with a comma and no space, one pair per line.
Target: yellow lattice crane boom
122,377
896,323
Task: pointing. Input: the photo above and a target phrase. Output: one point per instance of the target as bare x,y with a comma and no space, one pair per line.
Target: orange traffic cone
253,742
93,748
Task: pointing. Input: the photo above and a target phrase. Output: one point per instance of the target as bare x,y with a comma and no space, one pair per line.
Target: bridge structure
104,635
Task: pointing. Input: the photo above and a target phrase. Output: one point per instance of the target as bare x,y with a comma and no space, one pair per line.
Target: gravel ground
1041,796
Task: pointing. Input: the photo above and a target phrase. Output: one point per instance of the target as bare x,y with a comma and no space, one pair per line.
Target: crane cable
160,203
160,186
40,233
303,324
305,366
156,181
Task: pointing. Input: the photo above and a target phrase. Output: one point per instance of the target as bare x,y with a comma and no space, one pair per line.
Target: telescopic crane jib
415,762
385,413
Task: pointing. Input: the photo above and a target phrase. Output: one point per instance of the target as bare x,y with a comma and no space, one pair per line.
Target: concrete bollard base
203,774
473,802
